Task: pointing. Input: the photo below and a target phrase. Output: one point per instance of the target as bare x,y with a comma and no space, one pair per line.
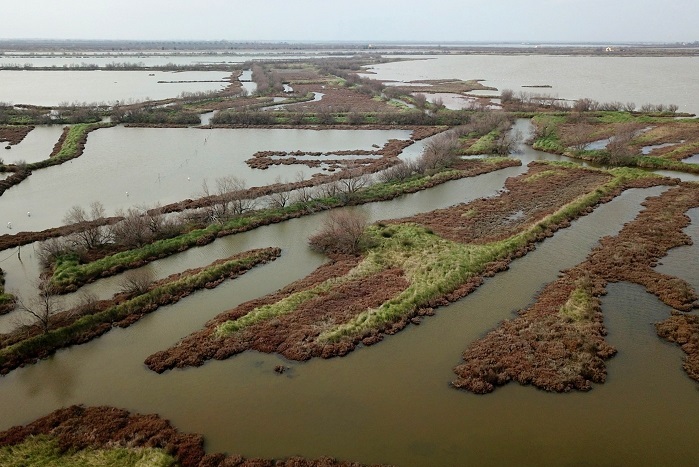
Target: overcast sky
355,20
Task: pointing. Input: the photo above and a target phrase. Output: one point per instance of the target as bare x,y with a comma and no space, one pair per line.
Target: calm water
53,88
164,165
641,80
390,403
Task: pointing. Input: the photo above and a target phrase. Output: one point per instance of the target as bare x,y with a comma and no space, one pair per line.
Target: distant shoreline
428,48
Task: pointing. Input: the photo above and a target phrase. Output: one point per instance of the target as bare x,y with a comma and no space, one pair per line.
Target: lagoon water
641,80
52,88
389,403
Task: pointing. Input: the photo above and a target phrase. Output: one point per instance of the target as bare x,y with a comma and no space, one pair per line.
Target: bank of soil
557,344
78,428
14,134
336,330
88,321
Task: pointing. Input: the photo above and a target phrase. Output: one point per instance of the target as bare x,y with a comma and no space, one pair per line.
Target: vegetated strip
69,275
70,145
7,300
429,270
557,344
18,349
78,435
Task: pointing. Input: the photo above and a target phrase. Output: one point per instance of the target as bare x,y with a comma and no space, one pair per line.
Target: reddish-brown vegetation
76,428
524,201
547,348
292,334
683,330
14,134
298,342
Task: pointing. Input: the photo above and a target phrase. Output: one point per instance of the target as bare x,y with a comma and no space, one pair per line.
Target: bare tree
354,182
232,191
134,230
399,172
136,282
279,199
341,232
578,136
420,100
93,235
42,306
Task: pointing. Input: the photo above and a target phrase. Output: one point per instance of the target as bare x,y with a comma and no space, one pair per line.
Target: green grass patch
484,144
579,306
44,450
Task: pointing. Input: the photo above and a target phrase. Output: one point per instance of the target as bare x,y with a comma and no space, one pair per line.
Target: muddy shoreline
78,428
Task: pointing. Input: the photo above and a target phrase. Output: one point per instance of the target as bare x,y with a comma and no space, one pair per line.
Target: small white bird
9,225
127,193
29,214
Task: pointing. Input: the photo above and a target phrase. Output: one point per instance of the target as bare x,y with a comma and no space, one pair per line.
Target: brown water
392,403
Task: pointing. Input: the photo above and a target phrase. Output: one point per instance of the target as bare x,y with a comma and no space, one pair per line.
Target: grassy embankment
70,274
45,450
162,293
435,267
69,146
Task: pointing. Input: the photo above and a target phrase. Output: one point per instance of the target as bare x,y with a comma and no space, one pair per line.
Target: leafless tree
353,182
399,172
507,95
341,232
420,100
134,230
136,282
93,235
43,305
578,135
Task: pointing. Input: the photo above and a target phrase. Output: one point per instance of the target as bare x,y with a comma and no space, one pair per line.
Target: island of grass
88,321
106,436
557,344
408,268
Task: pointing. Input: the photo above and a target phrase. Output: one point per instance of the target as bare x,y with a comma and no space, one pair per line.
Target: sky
445,21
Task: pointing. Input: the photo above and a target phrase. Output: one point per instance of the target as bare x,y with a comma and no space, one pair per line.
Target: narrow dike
77,326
